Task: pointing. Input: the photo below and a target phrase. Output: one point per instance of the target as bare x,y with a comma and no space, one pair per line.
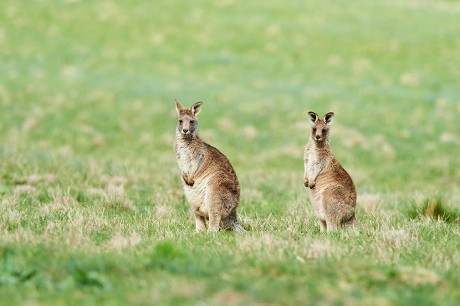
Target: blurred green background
87,121
99,79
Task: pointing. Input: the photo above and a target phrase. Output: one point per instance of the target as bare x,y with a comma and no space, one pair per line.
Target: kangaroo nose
185,130
318,137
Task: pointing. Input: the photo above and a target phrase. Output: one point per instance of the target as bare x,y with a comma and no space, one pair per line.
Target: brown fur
210,183
332,190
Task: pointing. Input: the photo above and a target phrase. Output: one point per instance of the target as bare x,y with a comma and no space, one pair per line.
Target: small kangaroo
332,190
210,183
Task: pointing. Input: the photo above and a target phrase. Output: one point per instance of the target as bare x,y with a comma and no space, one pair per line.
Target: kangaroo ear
328,118
179,107
196,108
313,117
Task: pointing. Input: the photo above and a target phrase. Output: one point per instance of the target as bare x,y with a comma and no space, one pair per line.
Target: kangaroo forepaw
312,186
187,180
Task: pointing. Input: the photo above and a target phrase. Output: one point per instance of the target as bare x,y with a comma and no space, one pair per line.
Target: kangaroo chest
314,162
188,159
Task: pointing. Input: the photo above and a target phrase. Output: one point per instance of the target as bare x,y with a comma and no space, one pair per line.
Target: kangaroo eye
192,121
314,129
324,130
180,121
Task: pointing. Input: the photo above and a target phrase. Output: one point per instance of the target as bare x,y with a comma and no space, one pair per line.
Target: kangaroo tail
237,228
231,223
352,223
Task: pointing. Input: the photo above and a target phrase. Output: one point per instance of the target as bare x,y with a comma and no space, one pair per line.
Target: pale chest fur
189,158
313,162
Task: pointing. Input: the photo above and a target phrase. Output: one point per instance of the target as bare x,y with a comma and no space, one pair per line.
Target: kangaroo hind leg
200,223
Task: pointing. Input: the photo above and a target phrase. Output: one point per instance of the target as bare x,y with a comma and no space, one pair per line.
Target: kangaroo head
187,123
320,128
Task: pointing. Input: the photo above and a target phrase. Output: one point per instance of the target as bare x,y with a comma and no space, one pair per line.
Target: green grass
92,210
435,209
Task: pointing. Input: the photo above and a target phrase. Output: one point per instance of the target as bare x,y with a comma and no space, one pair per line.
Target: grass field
92,210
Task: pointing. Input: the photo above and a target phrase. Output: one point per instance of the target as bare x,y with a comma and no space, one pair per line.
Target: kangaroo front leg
305,181
187,180
312,182
214,222
305,173
314,176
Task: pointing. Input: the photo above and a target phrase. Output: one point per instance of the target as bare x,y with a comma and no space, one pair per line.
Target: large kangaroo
210,183
332,191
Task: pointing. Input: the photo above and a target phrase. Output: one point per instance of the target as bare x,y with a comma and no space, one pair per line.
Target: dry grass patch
230,298
396,239
24,190
120,241
266,242
370,202
319,249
